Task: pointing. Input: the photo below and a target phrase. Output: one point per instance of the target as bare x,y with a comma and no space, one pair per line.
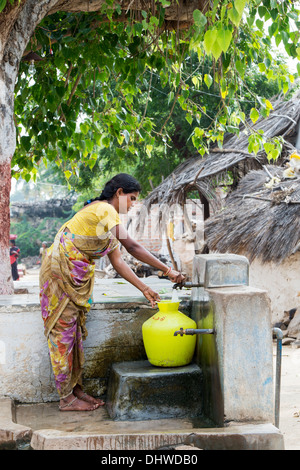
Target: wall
281,281
25,371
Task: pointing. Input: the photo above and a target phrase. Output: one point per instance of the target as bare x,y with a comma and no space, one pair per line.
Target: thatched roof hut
259,221
204,173
263,223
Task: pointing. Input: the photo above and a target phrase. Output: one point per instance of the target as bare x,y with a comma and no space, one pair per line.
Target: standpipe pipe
279,335
193,331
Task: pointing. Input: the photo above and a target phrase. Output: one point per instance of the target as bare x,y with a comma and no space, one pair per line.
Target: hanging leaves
93,90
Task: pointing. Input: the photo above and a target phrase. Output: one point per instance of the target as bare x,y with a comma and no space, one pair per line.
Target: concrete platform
47,428
105,291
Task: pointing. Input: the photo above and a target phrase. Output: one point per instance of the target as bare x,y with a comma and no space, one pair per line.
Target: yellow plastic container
163,349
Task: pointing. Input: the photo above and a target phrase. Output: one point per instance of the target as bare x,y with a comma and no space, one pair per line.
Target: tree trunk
19,22
7,147
6,285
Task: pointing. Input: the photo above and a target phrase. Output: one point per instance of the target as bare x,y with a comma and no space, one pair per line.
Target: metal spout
193,331
180,285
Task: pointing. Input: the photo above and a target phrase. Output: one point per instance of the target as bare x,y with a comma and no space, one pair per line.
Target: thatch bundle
258,221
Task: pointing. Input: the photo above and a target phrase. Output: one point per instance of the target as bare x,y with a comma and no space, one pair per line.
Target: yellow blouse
94,220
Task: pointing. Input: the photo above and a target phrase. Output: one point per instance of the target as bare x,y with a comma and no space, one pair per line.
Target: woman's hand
176,276
151,295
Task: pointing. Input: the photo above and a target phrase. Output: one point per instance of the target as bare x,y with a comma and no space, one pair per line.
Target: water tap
180,285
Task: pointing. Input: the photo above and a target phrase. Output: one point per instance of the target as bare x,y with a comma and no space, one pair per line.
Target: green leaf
234,16
199,18
262,67
274,154
209,39
259,24
208,80
240,6
26,143
195,81
273,28
120,152
262,11
91,163
165,3
254,115
285,87
2,6
268,146
277,39
241,67
216,50
224,38
269,104
189,118
68,174
84,127
149,149
170,97
89,145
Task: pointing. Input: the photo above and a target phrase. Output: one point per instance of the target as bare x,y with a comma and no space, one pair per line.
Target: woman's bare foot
79,393
73,403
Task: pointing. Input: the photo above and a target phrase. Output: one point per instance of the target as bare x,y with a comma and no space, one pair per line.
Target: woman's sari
66,287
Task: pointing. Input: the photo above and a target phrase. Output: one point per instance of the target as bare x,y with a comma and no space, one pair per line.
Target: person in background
67,280
43,251
14,254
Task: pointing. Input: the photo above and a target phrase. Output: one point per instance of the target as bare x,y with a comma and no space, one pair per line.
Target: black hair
127,182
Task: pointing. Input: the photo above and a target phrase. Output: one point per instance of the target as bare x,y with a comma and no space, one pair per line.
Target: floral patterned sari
66,287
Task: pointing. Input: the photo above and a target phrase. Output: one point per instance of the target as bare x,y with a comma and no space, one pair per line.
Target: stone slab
242,437
138,391
221,270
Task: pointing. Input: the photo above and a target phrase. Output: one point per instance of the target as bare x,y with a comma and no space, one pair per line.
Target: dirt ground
289,417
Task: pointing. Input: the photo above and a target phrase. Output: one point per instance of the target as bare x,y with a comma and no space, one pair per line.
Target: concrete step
46,428
139,391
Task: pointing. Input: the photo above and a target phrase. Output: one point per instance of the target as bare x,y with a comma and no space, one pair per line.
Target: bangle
167,271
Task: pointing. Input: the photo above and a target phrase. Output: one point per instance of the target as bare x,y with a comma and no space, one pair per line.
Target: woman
67,280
